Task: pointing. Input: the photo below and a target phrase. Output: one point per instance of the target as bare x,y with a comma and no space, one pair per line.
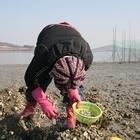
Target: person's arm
48,109
74,97
33,68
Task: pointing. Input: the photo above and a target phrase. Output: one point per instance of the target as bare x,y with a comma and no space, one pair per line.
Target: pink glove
47,107
75,97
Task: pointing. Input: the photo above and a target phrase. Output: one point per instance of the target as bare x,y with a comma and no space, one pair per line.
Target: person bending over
62,54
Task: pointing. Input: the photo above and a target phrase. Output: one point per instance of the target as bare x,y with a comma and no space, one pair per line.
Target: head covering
67,24
68,73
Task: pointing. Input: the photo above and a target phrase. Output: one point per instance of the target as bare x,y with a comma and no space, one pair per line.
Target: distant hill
9,45
106,48
4,46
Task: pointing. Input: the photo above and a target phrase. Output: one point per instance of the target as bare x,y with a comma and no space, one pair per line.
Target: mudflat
114,87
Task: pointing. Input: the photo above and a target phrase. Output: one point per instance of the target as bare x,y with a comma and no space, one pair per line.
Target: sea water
26,57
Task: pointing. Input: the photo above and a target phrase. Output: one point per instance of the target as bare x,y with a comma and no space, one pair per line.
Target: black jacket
53,43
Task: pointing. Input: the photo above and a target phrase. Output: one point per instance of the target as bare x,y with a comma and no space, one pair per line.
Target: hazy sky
22,20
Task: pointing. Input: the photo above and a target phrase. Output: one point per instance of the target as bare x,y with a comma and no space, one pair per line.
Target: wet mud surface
112,86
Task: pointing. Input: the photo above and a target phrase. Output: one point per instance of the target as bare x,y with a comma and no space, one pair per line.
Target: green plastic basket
90,107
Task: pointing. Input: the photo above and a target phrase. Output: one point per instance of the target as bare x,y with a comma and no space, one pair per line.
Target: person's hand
48,109
75,97
46,106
